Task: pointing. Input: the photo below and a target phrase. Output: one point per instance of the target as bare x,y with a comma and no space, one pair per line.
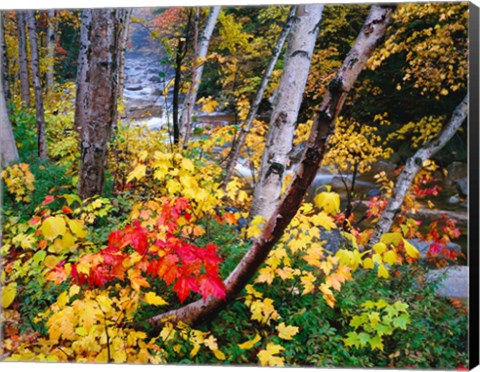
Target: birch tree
324,123
237,147
3,48
22,58
97,93
413,166
37,85
51,32
199,60
8,147
301,43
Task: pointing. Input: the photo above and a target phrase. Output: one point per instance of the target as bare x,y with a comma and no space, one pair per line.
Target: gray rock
462,186
454,199
423,246
134,87
453,281
456,170
334,240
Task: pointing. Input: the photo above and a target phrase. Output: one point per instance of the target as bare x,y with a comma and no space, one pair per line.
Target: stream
145,80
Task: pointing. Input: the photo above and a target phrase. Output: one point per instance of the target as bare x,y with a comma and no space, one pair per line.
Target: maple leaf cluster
138,253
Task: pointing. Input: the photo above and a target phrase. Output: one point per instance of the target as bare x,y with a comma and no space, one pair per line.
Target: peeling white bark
301,43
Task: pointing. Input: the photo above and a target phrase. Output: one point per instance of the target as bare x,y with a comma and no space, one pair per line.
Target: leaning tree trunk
199,60
37,85
237,147
8,147
22,58
412,166
3,47
51,32
97,93
371,33
301,43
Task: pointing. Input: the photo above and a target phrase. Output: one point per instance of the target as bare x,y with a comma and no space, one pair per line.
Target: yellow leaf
138,173
286,332
380,247
152,299
219,355
249,344
77,228
390,257
53,226
328,201
368,263
324,220
410,249
255,227
382,271
9,293
394,238
268,358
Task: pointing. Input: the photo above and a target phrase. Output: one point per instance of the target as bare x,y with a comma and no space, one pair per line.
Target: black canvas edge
473,221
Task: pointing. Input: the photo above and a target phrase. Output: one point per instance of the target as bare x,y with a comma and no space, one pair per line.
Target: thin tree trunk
301,43
176,89
51,32
8,147
258,97
412,166
22,58
199,61
3,47
97,93
37,85
123,47
371,33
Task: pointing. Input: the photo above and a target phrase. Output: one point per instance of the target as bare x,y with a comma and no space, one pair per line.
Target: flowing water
145,80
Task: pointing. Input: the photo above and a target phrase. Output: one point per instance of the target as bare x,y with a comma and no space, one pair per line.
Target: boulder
462,186
456,170
423,246
453,281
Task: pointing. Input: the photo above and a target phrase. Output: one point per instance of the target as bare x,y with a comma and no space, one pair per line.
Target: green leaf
401,321
352,339
363,338
400,306
39,257
376,342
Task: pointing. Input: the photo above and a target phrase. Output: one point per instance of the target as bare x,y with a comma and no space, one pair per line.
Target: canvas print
236,185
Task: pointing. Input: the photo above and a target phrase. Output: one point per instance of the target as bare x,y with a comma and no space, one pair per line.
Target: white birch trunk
51,31
301,43
37,85
8,147
258,97
203,43
22,58
412,166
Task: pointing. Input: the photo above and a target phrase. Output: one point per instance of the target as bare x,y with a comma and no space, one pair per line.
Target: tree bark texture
301,43
237,147
123,48
97,93
413,166
37,85
199,60
371,33
51,41
8,147
22,58
5,74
